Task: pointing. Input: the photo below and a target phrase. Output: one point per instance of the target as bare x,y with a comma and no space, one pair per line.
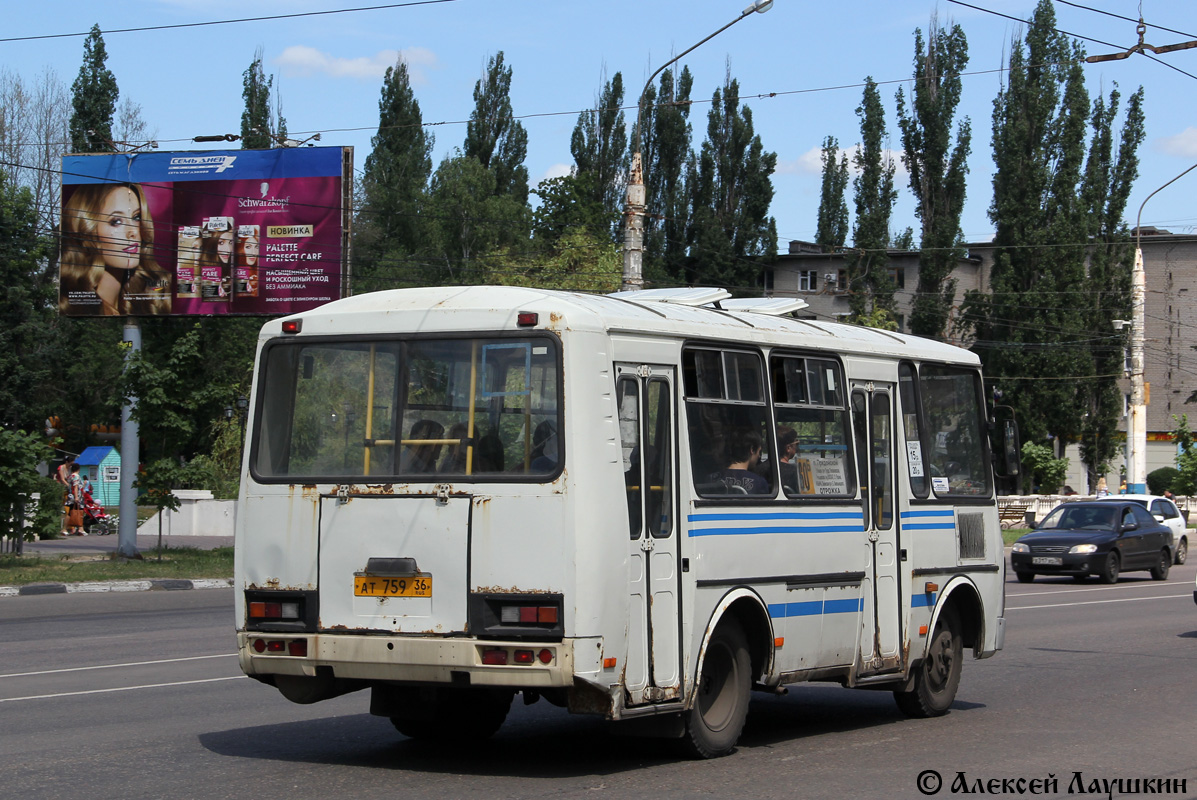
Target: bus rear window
417,410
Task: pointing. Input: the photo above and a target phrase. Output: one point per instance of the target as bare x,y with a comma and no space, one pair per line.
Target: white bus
642,505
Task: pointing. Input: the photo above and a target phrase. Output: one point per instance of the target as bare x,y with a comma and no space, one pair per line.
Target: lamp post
1136,428
633,237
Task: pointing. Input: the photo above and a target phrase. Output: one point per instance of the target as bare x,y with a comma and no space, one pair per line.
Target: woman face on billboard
118,229
224,246
249,251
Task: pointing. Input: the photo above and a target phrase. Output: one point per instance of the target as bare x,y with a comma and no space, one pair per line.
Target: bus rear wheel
457,715
714,723
938,676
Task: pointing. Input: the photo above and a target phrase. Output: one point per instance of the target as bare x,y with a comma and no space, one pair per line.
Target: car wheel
938,675
1160,571
1025,577
714,723
1109,572
1182,551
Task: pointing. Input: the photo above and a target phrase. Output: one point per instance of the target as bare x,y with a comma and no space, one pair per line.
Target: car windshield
1078,518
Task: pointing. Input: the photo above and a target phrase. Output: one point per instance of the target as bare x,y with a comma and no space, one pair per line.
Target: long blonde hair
147,290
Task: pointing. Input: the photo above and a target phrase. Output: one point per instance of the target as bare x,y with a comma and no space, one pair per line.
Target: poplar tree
665,151
93,97
258,128
493,136
731,233
599,145
871,289
938,169
396,173
832,231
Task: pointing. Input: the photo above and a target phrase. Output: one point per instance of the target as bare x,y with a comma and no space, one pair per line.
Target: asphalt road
139,695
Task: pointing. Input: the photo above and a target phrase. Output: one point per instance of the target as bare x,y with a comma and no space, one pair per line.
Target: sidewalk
100,545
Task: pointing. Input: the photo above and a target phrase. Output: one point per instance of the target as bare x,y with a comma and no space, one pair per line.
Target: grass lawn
1011,536
177,562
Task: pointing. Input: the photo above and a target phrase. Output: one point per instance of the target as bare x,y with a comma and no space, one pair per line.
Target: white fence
1040,504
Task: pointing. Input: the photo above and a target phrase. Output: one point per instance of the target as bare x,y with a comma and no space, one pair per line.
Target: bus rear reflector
526,319
495,658
524,656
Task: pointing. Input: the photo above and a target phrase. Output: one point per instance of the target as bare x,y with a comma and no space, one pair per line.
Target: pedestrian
62,476
75,502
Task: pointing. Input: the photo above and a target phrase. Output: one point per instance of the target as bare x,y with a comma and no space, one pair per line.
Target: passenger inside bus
743,454
418,455
455,459
787,451
544,447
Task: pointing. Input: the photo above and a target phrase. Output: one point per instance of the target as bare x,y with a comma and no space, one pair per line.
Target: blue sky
811,57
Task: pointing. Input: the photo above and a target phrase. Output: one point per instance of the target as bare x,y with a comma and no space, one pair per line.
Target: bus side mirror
1010,447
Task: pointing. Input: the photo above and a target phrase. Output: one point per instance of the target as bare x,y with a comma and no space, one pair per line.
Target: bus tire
938,675
458,715
714,722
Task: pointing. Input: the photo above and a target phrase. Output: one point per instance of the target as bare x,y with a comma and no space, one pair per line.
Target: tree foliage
259,130
389,229
665,151
731,233
569,203
93,97
833,207
938,169
599,145
869,283
33,137
494,137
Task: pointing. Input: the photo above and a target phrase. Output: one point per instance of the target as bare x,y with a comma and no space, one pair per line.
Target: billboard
201,233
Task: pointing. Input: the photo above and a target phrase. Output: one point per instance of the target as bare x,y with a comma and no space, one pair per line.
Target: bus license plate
1051,561
374,586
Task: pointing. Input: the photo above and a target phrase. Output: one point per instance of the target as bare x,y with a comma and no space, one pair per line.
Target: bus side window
628,393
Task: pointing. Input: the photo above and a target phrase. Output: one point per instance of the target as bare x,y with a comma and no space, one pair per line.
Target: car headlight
1083,549
1019,547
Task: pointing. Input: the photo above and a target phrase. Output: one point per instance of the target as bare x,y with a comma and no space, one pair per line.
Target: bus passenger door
873,426
646,423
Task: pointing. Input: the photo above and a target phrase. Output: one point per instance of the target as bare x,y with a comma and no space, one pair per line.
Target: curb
155,584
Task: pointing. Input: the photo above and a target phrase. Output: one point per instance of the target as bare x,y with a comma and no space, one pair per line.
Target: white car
1167,513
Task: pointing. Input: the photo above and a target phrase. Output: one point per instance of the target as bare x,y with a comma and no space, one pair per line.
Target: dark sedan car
1098,538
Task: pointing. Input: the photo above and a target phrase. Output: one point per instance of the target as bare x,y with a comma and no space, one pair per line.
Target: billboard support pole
130,455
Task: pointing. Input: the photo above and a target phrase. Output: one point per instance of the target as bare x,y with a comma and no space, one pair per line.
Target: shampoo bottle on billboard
216,259
187,271
248,245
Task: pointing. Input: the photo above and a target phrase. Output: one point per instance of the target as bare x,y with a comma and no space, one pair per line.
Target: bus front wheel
720,707
938,676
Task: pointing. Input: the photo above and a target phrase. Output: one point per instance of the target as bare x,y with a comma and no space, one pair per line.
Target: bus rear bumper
424,660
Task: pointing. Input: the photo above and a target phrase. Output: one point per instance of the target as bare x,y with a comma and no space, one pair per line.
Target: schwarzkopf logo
201,163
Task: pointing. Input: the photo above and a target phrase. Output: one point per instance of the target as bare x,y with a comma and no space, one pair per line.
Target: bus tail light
517,616
260,610
284,611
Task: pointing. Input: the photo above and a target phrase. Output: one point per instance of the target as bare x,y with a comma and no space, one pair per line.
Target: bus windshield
420,409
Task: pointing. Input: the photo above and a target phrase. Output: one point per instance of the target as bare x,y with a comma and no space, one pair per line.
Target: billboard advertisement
199,233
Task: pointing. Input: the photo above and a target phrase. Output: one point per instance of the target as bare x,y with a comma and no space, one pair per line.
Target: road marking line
1095,602
118,689
1152,585
114,666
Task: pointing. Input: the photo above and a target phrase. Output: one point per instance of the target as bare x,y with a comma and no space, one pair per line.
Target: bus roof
470,308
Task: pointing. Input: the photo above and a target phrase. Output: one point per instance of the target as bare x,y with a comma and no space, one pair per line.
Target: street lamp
633,237
1136,428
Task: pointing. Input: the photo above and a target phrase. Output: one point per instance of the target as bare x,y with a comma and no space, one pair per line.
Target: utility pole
633,228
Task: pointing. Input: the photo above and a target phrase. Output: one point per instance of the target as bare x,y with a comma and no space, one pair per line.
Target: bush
1043,468
1160,480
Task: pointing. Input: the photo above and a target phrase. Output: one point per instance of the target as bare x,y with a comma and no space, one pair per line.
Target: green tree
259,129
1044,471
1185,482
569,203
27,310
833,208
665,151
938,169
20,454
870,285
731,234
599,145
494,136
93,97
389,228
470,223
579,261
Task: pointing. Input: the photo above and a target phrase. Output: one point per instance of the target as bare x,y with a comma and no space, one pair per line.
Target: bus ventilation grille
970,531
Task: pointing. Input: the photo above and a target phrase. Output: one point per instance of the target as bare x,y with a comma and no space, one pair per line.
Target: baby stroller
96,521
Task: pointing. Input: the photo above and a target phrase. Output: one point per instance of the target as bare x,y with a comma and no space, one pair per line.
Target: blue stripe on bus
779,529
949,512
775,515
815,607
924,600
929,526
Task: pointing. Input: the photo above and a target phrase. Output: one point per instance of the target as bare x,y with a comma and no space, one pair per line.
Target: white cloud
299,61
1183,144
811,162
556,171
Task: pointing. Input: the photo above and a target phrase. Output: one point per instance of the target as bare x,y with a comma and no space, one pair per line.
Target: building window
898,276
807,280
841,281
